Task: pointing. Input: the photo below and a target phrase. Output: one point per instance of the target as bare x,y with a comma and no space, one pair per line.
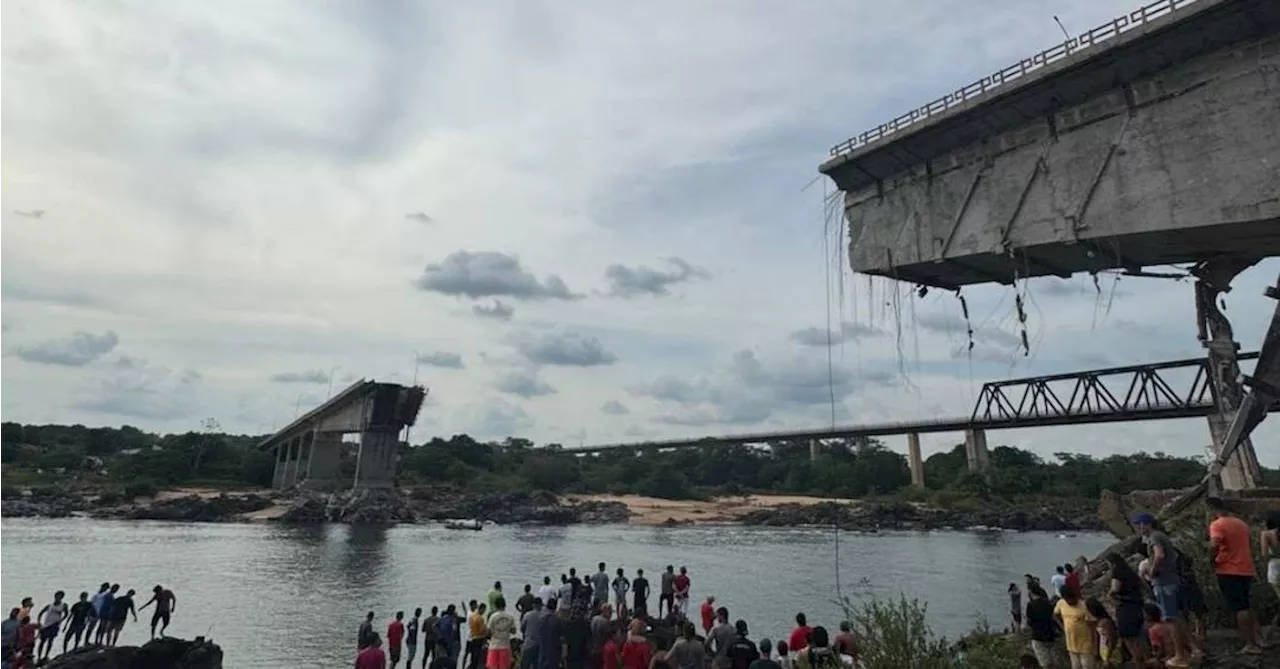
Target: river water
276,596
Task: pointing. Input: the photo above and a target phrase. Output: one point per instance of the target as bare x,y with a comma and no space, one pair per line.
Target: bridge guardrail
1102,33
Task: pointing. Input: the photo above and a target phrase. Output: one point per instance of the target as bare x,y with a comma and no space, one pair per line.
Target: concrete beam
914,460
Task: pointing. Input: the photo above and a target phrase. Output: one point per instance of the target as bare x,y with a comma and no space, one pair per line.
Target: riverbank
427,504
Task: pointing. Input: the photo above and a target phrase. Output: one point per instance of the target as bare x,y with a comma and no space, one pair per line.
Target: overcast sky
591,222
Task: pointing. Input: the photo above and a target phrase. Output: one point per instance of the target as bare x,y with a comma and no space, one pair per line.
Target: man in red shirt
708,612
395,636
799,639
681,583
372,656
1073,578
612,647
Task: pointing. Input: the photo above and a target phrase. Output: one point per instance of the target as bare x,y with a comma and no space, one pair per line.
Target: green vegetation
895,633
45,454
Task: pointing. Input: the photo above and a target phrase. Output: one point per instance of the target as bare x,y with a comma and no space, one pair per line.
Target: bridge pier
815,450
914,460
376,460
322,463
861,444
975,450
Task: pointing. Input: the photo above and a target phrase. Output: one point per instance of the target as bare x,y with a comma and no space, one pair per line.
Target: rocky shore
162,653
422,505
888,516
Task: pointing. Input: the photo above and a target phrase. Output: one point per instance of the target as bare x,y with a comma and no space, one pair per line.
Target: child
784,660
1078,627
1160,633
1106,628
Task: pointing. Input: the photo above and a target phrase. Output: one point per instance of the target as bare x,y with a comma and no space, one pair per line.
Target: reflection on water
279,596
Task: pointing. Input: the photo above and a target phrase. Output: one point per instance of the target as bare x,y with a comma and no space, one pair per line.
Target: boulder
162,653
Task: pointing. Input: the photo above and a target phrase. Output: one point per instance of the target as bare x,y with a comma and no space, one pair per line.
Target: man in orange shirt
1233,563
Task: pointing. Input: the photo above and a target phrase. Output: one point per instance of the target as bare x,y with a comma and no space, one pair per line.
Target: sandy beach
655,511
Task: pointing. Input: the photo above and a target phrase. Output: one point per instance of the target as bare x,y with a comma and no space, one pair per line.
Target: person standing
1015,607
845,644
720,636
621,586
502,626
765,660
364,635
1233,564
121,609
525,603
1165,583
549,638
564,594
478,632
1073,579
447,636
799,638
547,592
95,616
531,630
411,638
682,585
491,599
395,638
80,612
637,653
640,594
741,651
372,656
51,617
166,603
1073,617
1271,553
1126,594
1044,630
708,614
9,633
430,636
686,652
1057,582
105,610
667,595
599,586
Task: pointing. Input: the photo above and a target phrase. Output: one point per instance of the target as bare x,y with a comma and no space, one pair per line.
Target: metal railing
1102,33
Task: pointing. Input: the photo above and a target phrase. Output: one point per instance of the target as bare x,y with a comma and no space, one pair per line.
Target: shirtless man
165,603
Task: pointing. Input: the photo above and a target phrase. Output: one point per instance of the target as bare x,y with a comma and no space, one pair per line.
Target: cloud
307,376
750,391
614,408
14,290
524,384
824,337
140,389
481,274
442,359
499,310
642,280
498,418
950,325
420,217
566,349
76,350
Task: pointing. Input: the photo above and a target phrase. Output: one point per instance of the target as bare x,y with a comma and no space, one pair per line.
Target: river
276,596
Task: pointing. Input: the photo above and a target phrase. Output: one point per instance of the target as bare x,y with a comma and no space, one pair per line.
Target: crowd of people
28,639
602,621
1152,615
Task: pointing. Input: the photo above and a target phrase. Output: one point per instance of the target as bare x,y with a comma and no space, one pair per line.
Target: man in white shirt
1058,581
547,592
51,617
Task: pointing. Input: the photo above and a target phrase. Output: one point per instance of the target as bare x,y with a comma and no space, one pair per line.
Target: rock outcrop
162,653
870,517
367,506
192,508
541,507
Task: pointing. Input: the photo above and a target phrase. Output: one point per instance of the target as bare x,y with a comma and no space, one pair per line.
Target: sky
574,222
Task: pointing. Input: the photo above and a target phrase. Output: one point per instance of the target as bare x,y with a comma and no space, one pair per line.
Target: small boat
463,525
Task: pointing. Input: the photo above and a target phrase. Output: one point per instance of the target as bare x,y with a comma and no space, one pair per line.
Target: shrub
894,634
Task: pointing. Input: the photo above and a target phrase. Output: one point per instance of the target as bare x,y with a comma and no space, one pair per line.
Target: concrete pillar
861,444
304,456
975,449
291,465
376,461
277,477
815,450
326,456
915,461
